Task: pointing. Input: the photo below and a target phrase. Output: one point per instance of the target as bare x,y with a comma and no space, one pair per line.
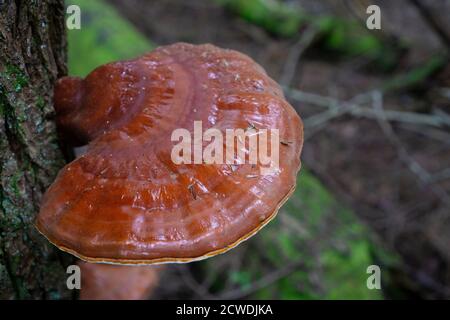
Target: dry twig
290,67
423,175
356,108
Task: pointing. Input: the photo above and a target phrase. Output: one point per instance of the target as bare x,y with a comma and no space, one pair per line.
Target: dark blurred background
375,182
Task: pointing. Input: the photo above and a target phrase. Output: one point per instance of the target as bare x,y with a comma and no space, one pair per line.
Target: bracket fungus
125,201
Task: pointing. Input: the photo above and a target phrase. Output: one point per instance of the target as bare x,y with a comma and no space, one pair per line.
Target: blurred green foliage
275,17
104,37
343,37
418,75
312,227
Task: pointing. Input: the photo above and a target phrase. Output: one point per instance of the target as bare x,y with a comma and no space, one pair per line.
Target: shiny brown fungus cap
125,201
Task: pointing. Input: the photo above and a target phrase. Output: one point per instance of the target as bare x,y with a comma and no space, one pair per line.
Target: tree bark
32,57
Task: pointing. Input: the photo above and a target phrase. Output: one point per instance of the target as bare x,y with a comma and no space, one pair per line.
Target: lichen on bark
32,57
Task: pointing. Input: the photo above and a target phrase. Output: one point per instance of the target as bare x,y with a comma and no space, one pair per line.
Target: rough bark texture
32,57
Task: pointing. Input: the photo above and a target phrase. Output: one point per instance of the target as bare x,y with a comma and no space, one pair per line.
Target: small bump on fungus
125,201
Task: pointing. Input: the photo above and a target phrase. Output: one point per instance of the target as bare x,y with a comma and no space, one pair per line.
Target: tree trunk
32,57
